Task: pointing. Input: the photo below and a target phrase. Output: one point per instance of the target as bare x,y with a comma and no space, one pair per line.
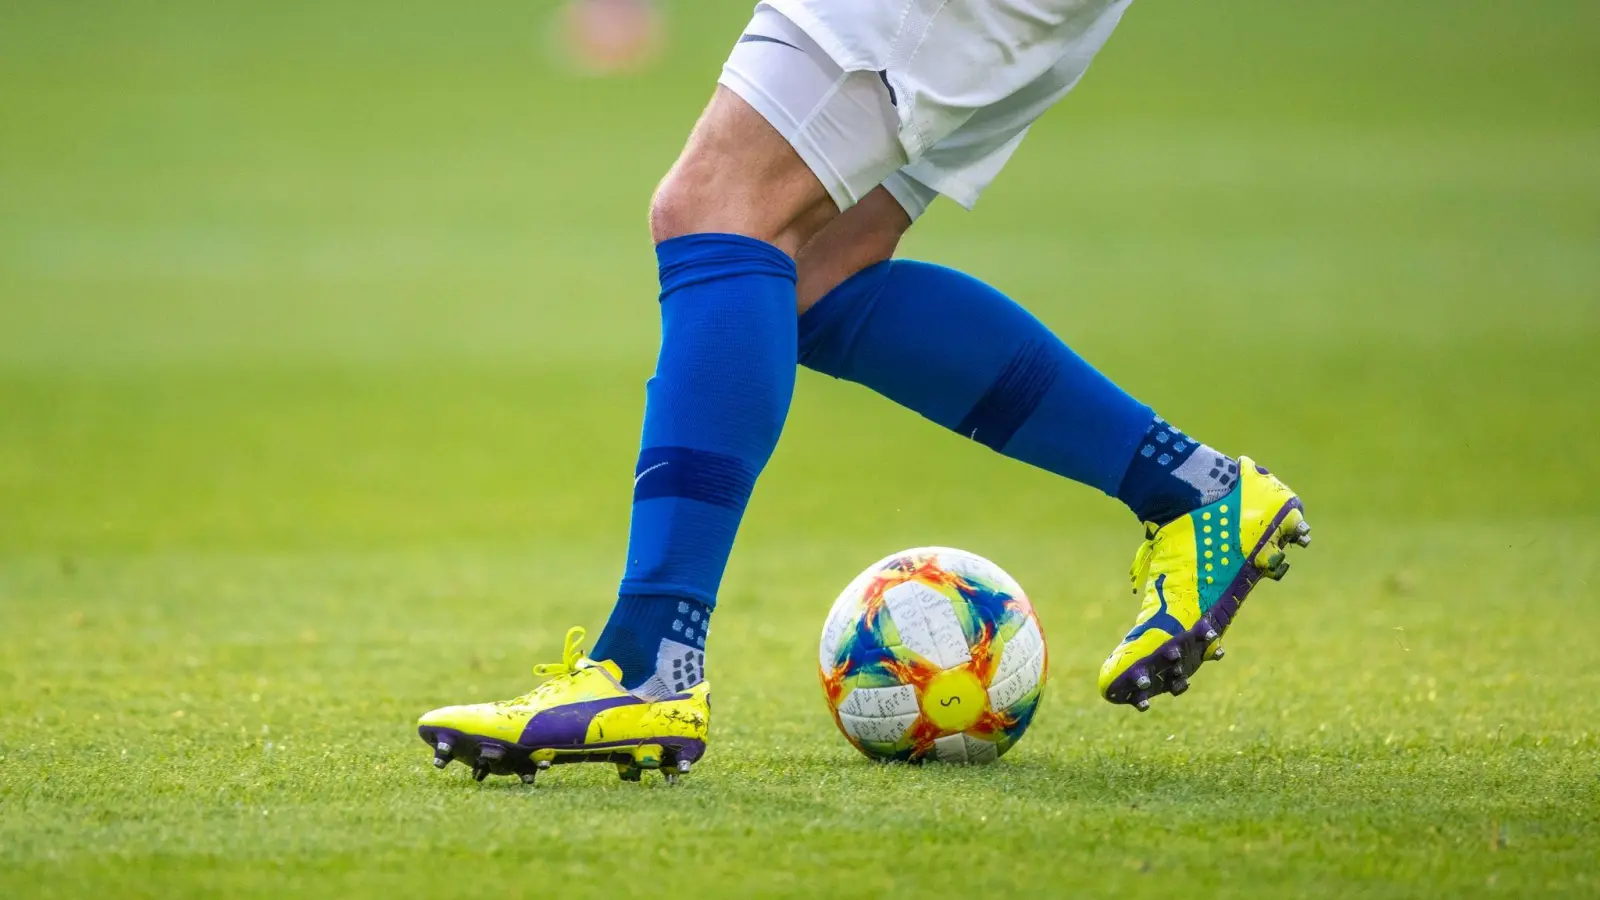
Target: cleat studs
1172,654
1211,635
1143,683
440,762
1178,686
489,755
443,752
1142,704
683,767
527,777
543,765
1303,540
1217,654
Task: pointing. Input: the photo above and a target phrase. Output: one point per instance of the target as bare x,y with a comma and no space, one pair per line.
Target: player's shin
713,413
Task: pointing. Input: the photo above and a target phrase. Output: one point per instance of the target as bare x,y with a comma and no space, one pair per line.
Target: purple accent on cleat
568,725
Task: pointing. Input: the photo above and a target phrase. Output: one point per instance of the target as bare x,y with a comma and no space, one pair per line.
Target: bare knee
673,209
737,175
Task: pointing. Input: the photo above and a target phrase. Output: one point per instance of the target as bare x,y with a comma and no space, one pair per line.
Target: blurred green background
323,334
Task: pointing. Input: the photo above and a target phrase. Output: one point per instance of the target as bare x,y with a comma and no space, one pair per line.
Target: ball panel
927,624
840,623
952,748
1017,719
880,702
980,751
1017,651
884,732
1026,669
977,570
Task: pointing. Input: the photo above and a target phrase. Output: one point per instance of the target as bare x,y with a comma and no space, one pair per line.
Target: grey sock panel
678,668
1209,472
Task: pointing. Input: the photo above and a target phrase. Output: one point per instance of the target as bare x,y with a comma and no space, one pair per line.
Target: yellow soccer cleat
582,713
1194,572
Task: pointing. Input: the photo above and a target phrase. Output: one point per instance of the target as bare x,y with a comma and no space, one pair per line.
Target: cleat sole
487,756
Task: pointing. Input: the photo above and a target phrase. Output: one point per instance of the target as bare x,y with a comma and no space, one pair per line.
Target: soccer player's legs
752,186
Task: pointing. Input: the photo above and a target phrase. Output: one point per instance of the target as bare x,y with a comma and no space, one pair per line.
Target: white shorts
924,97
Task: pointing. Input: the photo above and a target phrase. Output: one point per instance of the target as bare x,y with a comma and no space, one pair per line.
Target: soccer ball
933,654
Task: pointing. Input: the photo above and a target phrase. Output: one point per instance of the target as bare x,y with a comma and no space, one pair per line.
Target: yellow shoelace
1140,570
571,656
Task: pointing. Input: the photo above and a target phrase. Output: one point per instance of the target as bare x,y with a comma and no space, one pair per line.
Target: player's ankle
657,640
1172,475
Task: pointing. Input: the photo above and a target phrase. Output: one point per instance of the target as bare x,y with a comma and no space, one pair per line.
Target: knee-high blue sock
965,356
713,413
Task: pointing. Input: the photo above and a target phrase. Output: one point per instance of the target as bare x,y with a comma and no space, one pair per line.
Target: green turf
323,328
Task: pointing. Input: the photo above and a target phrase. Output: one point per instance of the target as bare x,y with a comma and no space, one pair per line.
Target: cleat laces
1140,570
572,660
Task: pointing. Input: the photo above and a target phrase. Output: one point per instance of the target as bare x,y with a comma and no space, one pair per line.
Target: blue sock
713,413
965,356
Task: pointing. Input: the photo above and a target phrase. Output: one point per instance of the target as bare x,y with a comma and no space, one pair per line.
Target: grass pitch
323,330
